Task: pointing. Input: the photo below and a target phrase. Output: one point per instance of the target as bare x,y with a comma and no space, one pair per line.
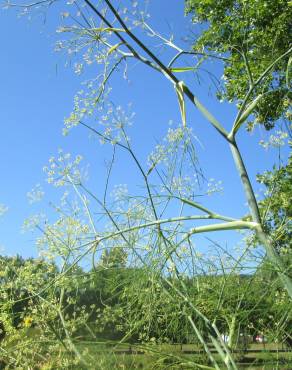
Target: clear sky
37,91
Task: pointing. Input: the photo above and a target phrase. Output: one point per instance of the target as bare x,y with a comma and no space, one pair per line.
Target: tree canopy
276,206
250,34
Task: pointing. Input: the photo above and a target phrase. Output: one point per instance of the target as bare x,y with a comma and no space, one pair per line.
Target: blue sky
36,94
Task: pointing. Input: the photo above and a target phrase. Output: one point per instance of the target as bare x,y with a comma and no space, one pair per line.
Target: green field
114,355
174,357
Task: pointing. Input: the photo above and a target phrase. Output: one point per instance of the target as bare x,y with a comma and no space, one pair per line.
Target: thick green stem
233,225
272,254
251,200
274,257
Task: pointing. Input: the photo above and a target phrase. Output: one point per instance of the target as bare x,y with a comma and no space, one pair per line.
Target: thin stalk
161,66
72,345
184,52
204,209
248,70
257,82
201,339
83,200
221,341
235,225
121,38
211,327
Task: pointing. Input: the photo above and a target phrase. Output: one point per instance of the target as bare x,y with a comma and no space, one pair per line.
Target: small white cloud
3,209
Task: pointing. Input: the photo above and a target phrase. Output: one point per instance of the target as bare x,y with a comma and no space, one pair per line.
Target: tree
17,287
276,207
250,35
114,258
24,314
277,216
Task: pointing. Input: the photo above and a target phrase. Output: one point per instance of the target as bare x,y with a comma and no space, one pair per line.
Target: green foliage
26,310
251,34
114,258
121,303
276,206
17,285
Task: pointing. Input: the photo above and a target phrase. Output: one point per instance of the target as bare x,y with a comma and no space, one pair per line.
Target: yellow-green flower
27,322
